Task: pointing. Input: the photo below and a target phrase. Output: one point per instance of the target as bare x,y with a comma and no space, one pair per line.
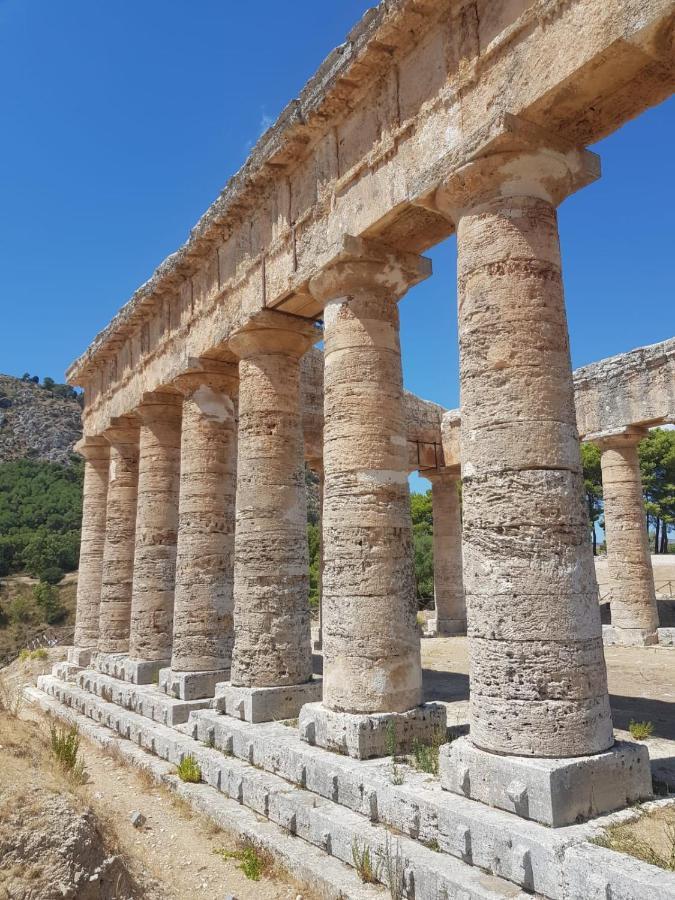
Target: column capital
221,377
93,448
122,430
516,159
159,406
361,264
615,440
274,332
443,473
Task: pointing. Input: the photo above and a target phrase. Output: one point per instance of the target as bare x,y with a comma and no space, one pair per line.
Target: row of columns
538,677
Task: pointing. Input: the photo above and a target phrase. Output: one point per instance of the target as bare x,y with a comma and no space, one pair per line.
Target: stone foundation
135,671
612,636
266,704
554,792
79,657
368,735
191,685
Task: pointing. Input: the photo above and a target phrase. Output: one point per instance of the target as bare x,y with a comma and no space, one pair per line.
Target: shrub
20,610
40,653
425,755
47,598
641,730
24,655
188,770
368,868
65,745
253,862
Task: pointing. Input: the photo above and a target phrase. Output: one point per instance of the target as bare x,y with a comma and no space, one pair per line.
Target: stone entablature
416,91
631,389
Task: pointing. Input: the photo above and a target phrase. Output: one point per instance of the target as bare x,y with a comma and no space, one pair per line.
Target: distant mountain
39,422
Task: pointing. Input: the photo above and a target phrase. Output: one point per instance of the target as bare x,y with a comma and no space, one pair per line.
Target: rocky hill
36,421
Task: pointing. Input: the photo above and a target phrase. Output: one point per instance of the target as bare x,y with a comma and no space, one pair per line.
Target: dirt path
173,856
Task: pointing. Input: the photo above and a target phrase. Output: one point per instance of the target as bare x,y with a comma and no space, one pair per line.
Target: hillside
37,422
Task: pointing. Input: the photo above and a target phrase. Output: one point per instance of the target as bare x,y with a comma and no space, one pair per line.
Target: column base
368,735
135,671
613,636
450,627
191,685
554,792
666,637
77,656
266,704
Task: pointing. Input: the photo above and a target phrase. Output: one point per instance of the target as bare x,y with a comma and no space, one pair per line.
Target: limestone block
554,792
191,685
364,736
265,704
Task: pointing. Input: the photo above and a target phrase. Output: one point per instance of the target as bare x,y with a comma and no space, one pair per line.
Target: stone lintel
359,262
191,685
555,792
449,472
135,671
613,636
266,704
367,735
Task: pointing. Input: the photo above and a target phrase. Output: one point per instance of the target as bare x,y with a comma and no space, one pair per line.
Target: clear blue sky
122,120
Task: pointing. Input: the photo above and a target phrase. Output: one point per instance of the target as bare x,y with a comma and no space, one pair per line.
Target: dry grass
649,837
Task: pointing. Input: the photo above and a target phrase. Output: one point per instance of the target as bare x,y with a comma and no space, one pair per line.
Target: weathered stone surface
367,531
633,597
528,565
156,528
266,704
96,452
554,792
203,631
118,553
271,608
448,578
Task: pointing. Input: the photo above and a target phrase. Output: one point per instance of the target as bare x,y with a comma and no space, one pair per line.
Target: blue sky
121,122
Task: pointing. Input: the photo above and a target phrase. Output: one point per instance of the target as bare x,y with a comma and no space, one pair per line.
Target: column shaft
118,553
156,529
448,578
271,581
538,678
203,631
633,597
96,454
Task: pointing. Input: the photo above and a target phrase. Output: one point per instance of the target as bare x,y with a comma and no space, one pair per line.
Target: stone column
120,530
372,671
538,677
633,597
448,578
156,532
316,466
96,453
271,675
203,631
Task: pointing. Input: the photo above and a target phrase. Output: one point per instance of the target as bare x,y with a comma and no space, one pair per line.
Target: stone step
337,830
329,878
524,852
147,700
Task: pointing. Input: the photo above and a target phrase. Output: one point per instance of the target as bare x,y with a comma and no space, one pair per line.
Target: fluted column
537,670
271,674
156,528
96,453
633,596
370,642
448,578
203,631
120,529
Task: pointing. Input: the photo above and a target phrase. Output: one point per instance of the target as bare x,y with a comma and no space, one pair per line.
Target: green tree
590,461
657,468
421,511
313,542
47,599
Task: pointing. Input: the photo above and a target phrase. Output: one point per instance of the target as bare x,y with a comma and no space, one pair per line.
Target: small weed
425,755
367,867
210,742
394,869
433,845
640,730
65,744
189,770
397,776
24,655
290,723
253,861
40,654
